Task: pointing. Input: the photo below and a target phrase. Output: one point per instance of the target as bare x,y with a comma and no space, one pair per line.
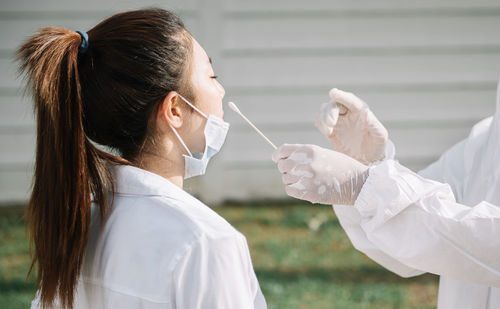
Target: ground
301,256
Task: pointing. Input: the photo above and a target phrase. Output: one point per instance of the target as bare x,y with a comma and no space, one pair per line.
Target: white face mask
215,135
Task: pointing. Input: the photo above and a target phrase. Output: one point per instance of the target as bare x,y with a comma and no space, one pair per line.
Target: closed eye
214,76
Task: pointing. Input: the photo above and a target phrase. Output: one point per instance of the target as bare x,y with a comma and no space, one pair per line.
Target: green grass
301,265
301,255
15,291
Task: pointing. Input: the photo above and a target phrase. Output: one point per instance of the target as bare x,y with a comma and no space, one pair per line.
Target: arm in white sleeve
217,273
449,168
350,220
417,222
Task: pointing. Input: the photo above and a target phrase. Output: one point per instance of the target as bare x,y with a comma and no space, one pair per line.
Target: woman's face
208,94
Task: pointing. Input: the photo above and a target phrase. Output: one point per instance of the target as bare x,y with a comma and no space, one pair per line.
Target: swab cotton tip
233,107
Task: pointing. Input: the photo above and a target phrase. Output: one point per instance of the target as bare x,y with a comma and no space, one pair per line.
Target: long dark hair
106,95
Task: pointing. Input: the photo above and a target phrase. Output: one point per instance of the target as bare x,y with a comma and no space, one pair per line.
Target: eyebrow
210,60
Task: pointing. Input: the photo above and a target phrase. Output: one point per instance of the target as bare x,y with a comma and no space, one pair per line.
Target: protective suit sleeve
449,168
417,222
217,273
389,151
350,220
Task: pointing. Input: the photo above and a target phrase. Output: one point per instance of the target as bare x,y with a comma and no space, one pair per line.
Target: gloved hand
320,175
352,128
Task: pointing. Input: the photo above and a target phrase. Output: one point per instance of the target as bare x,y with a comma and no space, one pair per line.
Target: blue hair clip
84,46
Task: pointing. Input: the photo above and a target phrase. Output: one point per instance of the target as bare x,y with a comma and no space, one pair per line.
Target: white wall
427,68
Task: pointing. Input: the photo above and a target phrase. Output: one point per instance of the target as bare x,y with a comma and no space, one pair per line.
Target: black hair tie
84,46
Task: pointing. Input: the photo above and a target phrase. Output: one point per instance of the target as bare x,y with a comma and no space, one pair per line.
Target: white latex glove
320,175
351,127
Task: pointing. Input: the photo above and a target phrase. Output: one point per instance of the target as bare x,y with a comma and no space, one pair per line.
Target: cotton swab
237,110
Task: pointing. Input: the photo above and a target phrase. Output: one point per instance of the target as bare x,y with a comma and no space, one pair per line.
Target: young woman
118,231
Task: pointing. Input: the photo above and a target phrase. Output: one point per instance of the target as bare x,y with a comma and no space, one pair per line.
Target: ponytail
69,170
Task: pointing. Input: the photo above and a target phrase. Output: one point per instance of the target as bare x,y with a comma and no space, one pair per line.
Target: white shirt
448,226
163,248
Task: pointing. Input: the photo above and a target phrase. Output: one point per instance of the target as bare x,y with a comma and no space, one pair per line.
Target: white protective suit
449,225
163,248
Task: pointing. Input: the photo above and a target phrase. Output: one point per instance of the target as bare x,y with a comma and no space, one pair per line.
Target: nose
221,89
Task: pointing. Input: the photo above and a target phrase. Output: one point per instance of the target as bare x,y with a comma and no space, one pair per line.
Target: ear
169,111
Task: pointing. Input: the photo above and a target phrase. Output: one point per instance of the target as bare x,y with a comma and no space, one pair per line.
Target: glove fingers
296,190
348,99
377,129
288,179
296,174
284,151
330,113
285,165
327,118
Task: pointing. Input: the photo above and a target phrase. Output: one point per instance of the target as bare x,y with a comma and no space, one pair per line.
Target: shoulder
144,198
159,223
454,164
477,141
163,214
480,130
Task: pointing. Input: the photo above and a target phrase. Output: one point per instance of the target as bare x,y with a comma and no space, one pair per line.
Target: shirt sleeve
217,273
418,223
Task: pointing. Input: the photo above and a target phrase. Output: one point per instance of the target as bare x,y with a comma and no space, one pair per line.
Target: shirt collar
135,181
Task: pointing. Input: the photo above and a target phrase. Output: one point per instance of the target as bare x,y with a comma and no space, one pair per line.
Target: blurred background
428,69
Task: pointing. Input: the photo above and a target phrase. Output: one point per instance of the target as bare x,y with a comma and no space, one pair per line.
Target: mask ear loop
175,131
180,140
194,107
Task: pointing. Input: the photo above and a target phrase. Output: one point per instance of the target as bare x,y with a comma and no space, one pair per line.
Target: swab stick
237,110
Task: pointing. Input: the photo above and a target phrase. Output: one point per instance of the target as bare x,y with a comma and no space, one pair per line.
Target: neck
169,165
